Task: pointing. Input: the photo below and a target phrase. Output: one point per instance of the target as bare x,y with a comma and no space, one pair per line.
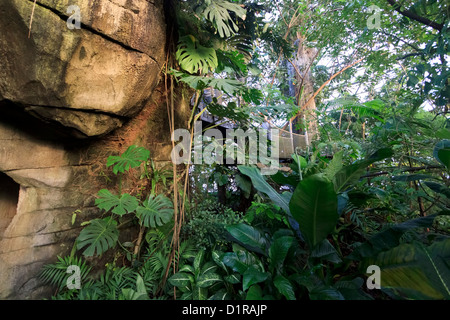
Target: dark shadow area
15,116
9,196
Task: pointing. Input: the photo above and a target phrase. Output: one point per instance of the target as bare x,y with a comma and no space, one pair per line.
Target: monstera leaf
233,60
194,57
131,158
217,13
229,86
99,236
120,204
155,211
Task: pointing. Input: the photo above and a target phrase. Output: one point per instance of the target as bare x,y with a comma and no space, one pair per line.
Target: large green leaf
217,13
120,204
244,184
222,294
199,293
314,206
442,152
334,165
217,258
155,211
231,260
411,177
229,86
233,60
279,249
254,293
283,179
180,279
209,267
324,292
131,158
241,259
326,251
261,185
208,279
252,276
193,57
248,236
349,175
100,235
438,187
229,111
414,271
284,286
198,260
233,278
352,290
443,133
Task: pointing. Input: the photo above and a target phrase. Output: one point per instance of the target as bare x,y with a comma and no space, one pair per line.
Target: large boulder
98,82
91,79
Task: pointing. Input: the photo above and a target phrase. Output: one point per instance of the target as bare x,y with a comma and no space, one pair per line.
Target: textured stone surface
105,70
39,229
55,87
83,123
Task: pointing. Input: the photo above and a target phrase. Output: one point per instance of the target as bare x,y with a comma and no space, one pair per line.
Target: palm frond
56,274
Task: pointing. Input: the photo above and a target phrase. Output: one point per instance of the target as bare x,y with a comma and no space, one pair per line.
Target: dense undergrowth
372,189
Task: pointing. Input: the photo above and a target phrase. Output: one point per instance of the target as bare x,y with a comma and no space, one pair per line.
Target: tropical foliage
371,189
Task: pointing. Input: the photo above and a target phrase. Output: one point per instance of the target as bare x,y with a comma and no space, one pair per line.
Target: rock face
37,219
98,83
89,79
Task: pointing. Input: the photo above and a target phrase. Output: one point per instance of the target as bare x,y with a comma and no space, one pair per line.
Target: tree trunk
303,60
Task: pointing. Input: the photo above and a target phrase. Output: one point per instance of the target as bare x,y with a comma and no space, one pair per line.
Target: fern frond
115,279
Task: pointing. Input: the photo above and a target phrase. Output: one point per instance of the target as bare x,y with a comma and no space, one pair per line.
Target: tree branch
410,169
400,39
414,16
414,54
320,89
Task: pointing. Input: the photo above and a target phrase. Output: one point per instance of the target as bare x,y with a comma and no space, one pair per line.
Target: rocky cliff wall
68,99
